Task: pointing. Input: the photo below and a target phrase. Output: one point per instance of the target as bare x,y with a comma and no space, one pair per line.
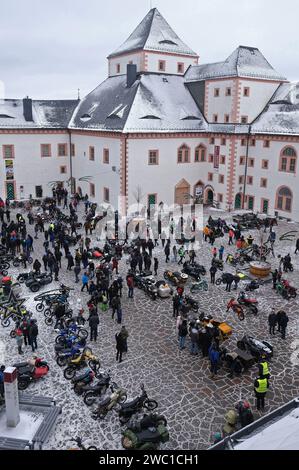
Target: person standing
130,284
194,336
214,356
272,321
283,322
261,386
70,262
167,251
19,339
274,278
77,270
33,333
213,271
297,246
263,368
93,323
84,282
183,331
230,236
221,252
175,253
156,265
25,330
120,346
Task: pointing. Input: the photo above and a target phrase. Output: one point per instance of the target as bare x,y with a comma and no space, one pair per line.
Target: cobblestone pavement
193,403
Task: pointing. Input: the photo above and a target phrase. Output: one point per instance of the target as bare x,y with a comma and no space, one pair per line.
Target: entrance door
38,191
182,193
265,206
209,197
151,200
250,203
10,191
238,201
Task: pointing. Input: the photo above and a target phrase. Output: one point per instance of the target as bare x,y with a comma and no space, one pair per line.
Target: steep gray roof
155,102
154,34
46,113
243,62
281,116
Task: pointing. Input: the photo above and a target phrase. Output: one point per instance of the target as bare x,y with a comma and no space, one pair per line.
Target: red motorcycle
250,303
31,370
236,307
291,291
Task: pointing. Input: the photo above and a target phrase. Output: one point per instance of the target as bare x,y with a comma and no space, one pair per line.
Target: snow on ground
193,404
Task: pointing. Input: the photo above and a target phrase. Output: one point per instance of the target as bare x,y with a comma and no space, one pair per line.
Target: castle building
165,127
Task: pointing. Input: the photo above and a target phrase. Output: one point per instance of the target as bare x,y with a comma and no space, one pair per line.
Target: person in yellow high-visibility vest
263,367
261,386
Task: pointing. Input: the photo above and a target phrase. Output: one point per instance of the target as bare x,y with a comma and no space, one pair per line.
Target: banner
216,157
9,169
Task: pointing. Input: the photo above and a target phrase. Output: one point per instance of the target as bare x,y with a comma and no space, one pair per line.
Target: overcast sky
49,49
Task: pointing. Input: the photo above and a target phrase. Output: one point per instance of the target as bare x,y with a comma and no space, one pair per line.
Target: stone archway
209,196
182,193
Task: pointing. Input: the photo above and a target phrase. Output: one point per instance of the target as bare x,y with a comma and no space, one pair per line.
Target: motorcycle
175,278
147,435
66,355
39,281
127,409
19,259
189,303
252,285
83,379
256,347
96,390
249,303
237,308
218,263
199,286
149,287
192,271
30,371
286,290
80,362
118,395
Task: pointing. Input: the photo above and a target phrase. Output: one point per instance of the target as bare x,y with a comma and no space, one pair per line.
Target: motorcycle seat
130,404
105,401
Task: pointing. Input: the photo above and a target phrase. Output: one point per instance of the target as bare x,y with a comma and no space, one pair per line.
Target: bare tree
138,195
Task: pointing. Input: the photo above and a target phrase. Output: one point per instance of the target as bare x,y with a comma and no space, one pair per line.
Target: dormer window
168,41
150,116
85,117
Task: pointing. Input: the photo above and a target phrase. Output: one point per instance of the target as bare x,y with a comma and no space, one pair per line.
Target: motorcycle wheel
293,294
218,282
16,263
69,373
49,321
30,260
92,448
253,309
23,384
47,313
5,265
34,287
78,389
89,398
5,322
4,272
12,334
151,405
195,308
241,316
123,398
61,361
83,334
39,307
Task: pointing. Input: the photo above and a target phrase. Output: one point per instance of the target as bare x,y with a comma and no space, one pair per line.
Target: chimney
27,109
131,74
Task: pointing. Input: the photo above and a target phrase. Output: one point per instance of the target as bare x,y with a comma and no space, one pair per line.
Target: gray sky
49,49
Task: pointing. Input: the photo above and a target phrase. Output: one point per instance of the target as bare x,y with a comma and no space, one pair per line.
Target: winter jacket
93,321
214,355
84,279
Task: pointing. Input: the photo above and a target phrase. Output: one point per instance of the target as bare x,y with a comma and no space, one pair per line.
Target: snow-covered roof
243,62
155,102
154,34
46,113
281,116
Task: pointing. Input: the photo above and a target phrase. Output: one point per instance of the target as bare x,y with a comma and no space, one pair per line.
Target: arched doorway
238,201
284,199
209,196
182,193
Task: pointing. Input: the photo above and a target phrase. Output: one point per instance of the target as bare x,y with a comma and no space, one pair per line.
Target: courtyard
193,403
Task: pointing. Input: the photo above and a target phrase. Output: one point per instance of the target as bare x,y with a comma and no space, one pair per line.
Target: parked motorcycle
81,361
127,409
118,395
19,259
252,286
249,303
237,308
30,371
199,286
190,303
175,278
147,435
91,392
39,281
149,286
83,379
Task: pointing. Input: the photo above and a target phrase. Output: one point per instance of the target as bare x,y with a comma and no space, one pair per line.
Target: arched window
284,198
288,160
200,153
184,154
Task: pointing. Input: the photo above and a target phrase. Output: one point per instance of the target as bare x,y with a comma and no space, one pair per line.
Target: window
106,195
246,91
220,197
267,143
251,162
45,150
184,154
242,160
211,158
216,92
241,179
63,169
162,65
212,141
284,198
210,176
226,118
223,141
215,117
265,206
8,151
200,154
106,157
264,182
265,164
181,67
252,142
62,150
91,153
153,157
244,119
222,160
117,68
73,150
288,160
221,179
250,180
228,92
243,142
92,190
